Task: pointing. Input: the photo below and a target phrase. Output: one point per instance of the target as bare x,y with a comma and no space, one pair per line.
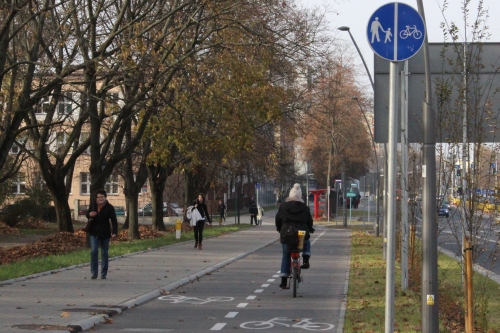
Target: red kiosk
317,212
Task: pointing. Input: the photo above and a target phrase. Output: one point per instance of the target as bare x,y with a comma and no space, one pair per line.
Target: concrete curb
93,321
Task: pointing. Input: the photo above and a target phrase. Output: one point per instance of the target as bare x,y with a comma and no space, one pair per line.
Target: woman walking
222,212
200,224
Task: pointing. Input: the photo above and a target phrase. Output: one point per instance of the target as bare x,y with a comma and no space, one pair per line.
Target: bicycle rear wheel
295,279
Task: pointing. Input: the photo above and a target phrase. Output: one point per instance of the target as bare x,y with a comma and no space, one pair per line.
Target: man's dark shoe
93,277
103,277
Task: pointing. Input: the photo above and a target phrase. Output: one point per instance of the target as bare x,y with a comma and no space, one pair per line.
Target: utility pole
430,304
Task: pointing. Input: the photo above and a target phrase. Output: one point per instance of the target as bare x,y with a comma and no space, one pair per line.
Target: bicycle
417,34
295,276
295,272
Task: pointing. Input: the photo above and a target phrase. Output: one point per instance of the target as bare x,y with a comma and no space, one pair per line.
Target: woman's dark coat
296,213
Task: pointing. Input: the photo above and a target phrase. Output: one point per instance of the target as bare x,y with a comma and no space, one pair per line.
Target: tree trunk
63,213
158,175
189,188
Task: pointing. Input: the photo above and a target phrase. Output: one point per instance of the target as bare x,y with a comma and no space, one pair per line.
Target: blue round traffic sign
396,31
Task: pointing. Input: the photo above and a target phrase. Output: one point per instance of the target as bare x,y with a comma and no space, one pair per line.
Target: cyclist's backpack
290,237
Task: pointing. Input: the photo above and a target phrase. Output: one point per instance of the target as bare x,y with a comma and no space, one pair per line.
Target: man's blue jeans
94,255
286,260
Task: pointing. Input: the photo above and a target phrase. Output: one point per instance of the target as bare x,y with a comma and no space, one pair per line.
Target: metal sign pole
391,199
404,177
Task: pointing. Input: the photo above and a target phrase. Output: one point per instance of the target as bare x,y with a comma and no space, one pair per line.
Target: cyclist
293,212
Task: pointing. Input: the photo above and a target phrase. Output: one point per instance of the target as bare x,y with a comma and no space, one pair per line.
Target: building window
18,184
14,150
61,139
65,105
85,183
44,106
112,184
113,97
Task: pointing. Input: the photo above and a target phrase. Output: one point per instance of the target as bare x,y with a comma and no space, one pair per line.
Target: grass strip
52,262
366,296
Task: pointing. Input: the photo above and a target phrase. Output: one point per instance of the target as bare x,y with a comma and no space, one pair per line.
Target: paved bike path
67,300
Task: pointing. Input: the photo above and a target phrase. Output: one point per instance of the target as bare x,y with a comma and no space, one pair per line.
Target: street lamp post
377,183
377,228
357,48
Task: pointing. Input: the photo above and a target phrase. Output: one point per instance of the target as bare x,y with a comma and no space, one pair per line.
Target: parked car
120,211
147,210
148,206
83,209
446,203
444,211
177,209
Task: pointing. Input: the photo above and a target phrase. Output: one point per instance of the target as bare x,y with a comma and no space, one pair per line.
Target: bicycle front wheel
295,279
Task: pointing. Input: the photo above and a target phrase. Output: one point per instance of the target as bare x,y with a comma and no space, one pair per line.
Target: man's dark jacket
100,226
296,213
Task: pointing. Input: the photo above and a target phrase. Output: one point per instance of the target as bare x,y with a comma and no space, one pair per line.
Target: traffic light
459,191
459,172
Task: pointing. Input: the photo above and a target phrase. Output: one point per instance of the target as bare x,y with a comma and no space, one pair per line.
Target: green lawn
48,263
366,297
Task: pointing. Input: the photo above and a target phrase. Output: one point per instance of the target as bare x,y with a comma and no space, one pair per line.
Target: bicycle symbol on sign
194,300
304,323
417,34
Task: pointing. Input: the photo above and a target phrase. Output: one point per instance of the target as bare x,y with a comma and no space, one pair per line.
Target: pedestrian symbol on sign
374,29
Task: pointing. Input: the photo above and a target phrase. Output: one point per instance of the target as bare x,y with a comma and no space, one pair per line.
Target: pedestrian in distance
201,206
293,213
222,212
260,214
253,210
100,233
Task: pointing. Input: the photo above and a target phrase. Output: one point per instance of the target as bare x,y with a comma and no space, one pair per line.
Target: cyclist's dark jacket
295,212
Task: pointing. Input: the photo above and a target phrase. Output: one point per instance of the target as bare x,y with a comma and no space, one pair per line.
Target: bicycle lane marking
233,314
219,326
304,323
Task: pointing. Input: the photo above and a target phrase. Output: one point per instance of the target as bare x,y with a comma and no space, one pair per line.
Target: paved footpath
67,300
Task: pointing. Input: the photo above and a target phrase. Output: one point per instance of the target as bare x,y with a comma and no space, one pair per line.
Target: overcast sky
356,13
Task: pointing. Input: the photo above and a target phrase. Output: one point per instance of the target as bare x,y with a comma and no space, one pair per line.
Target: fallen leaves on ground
59,243
64,242
6,230
32,223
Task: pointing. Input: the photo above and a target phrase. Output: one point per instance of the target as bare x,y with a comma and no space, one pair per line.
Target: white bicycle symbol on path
194,300
417,34
304,323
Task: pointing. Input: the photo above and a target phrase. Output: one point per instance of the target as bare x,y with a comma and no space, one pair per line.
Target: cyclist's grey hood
294,207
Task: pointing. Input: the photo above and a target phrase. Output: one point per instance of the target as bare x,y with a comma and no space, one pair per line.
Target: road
244,295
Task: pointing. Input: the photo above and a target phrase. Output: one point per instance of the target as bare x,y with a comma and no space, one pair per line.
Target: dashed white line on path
231,315
218,327
265,285
251,297
270,280
148,330
257,291
241,305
